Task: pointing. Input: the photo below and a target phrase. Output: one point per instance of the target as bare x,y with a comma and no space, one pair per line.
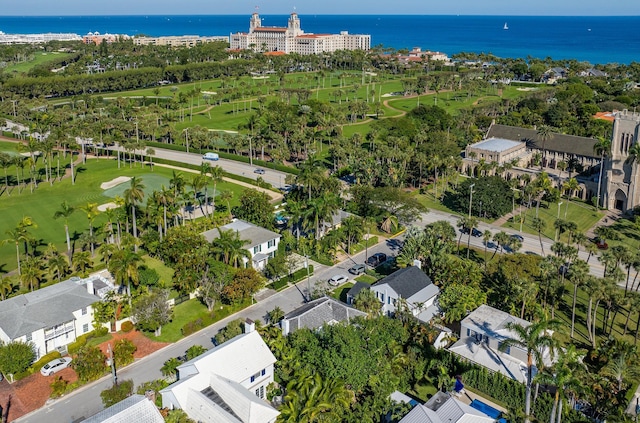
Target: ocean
584,38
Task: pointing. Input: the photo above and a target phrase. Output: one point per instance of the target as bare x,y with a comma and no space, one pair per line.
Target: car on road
474,232
377,259
259,171
55,366
357,269
211,156
338,280
518,237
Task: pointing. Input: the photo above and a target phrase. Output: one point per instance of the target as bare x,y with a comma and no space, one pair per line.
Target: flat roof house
262,243
227,384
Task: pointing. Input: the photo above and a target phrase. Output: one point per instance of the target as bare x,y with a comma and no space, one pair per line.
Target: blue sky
307,7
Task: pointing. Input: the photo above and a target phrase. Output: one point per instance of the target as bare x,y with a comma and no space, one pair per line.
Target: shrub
192,327
89,364
59,387
127,326
16,357
279,284
116,393
123,352
101,331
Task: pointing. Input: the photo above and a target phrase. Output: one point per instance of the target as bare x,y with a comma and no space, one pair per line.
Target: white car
55,366
338,280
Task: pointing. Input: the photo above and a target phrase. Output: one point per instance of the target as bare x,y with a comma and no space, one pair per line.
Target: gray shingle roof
44,308
247,231
355,289
561,143
406,282
316,313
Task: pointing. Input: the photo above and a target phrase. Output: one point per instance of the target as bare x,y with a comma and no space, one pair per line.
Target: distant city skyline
326,7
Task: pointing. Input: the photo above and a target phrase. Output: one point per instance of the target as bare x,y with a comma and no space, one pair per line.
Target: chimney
90,287
417,263
249,326
150,395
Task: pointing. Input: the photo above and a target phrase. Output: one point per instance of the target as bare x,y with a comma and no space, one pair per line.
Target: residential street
86,401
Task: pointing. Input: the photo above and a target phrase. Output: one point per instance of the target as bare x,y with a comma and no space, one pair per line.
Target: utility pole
112,363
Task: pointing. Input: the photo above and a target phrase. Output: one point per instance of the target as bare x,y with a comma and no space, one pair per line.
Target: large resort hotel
292,39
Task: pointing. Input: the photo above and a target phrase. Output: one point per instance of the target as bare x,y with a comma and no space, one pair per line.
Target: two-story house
412,286
52,317
262,243
481,334
227,384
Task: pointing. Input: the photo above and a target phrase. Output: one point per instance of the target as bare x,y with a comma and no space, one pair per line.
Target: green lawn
164,271
583,215
38,59
46,199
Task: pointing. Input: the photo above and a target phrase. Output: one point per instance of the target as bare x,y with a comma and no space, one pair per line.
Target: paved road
86,401
530,244
274,177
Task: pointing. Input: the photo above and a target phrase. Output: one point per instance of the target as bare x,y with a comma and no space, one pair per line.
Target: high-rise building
292,39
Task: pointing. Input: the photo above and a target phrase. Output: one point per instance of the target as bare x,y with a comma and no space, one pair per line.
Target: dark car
518,237
475,232
376,259
357,269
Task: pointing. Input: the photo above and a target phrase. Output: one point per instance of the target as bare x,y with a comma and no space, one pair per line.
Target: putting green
151,181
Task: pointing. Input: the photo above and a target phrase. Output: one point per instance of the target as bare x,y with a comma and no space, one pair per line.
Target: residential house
262,243
316,313
355,290
412,286
335,221
481,334
227,384
136,408
443,408
54,316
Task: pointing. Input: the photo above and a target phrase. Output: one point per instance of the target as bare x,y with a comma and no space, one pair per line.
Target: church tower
621,184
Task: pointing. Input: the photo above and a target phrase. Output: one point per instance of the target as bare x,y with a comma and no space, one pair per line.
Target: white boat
505,27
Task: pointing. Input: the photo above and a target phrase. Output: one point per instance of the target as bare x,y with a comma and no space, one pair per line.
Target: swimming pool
487,409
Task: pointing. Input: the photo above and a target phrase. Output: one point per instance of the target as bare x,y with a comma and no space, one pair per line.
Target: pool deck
469,396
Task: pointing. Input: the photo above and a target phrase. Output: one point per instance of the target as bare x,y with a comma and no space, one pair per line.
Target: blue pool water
487,409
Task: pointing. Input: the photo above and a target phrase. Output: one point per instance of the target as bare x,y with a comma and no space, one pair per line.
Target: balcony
58,330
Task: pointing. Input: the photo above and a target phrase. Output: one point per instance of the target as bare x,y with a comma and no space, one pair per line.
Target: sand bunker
114,182
107,206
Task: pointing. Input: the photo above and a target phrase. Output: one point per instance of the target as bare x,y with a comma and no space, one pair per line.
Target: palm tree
229,247
82,262
577,276
59,265
133,195
621,368
226,196
124,267
539,226
602,148
65,211
571,185
91,210
216,174
352,228
486,237
32,273
367,301
535,339
16,236
472,222
6,287
545,134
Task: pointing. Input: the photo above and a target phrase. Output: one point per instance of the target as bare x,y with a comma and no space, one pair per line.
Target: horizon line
315,14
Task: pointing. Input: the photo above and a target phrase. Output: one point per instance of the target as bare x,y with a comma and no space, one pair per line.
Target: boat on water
505,27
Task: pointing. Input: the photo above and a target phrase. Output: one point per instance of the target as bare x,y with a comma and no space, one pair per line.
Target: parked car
338,280
259,171
211,156
376,259
55,366
357,269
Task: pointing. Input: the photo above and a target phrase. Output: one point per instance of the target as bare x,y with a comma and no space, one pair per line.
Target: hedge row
82,340
228,156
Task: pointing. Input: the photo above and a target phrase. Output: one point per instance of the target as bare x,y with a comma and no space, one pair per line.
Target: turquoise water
585,38
487,409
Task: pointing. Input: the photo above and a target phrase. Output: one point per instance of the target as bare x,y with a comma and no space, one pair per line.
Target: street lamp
250,154
470,197
559,204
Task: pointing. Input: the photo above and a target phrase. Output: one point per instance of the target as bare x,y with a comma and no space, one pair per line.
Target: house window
257,249
257,375
271,243
85,328
382,298
264,372
260,392
84,311
389,300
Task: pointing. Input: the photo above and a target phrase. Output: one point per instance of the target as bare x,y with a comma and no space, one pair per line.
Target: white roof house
481,334
136,408
226,384
443,408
